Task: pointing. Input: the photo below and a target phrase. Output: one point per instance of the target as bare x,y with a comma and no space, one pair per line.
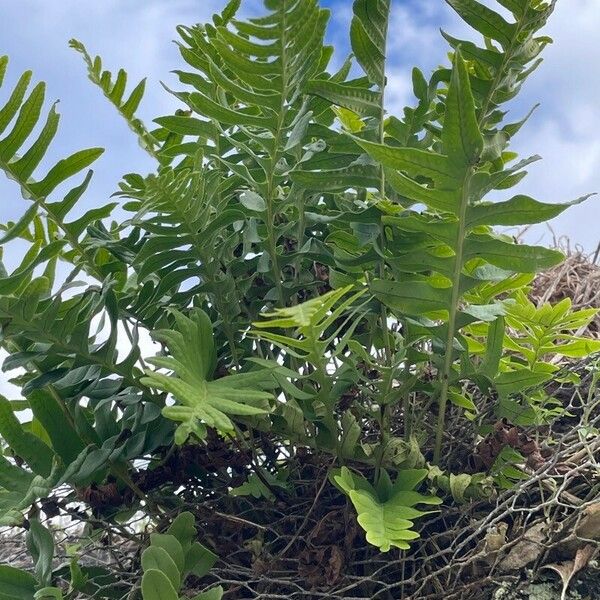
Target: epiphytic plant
320,278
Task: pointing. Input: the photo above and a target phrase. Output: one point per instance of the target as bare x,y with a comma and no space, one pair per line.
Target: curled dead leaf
568,569
588,527
321,567
586,530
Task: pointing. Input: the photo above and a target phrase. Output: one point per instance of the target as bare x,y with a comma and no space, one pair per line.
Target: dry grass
577,278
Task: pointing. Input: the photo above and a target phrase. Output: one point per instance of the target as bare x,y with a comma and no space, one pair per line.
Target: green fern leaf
368,36
202,401
485,20
114,90
387,522
461,137
359,100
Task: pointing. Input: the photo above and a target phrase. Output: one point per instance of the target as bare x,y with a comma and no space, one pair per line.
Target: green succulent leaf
156,586
16,584
23,443
215,593
156,557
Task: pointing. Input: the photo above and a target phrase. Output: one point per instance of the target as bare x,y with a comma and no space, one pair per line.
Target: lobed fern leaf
387,514
202,401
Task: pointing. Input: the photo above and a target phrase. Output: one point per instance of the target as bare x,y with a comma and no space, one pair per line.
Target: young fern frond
323,328
311,320
202,400
387,512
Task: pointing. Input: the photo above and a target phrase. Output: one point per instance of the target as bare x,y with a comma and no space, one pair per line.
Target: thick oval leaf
40,544
26,445
199,560
156,586
252,201
215,593
158,558
16,584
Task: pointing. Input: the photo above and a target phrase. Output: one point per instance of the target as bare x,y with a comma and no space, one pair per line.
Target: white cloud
564,129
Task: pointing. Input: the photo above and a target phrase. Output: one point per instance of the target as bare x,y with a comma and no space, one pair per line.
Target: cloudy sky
137,34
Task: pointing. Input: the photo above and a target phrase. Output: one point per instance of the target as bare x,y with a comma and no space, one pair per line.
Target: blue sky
137,34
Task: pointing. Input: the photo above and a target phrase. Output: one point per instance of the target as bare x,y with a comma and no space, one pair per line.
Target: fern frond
26,112
452,178
113,89
202,401
387,514
311,320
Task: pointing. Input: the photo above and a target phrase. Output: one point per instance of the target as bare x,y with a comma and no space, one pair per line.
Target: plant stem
275,268
270,199
453,313
385,427
465,198
406,409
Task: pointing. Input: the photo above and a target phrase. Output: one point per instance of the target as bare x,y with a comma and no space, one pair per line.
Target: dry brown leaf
321,566
588,527
495,539
586,530
568,569
525,551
